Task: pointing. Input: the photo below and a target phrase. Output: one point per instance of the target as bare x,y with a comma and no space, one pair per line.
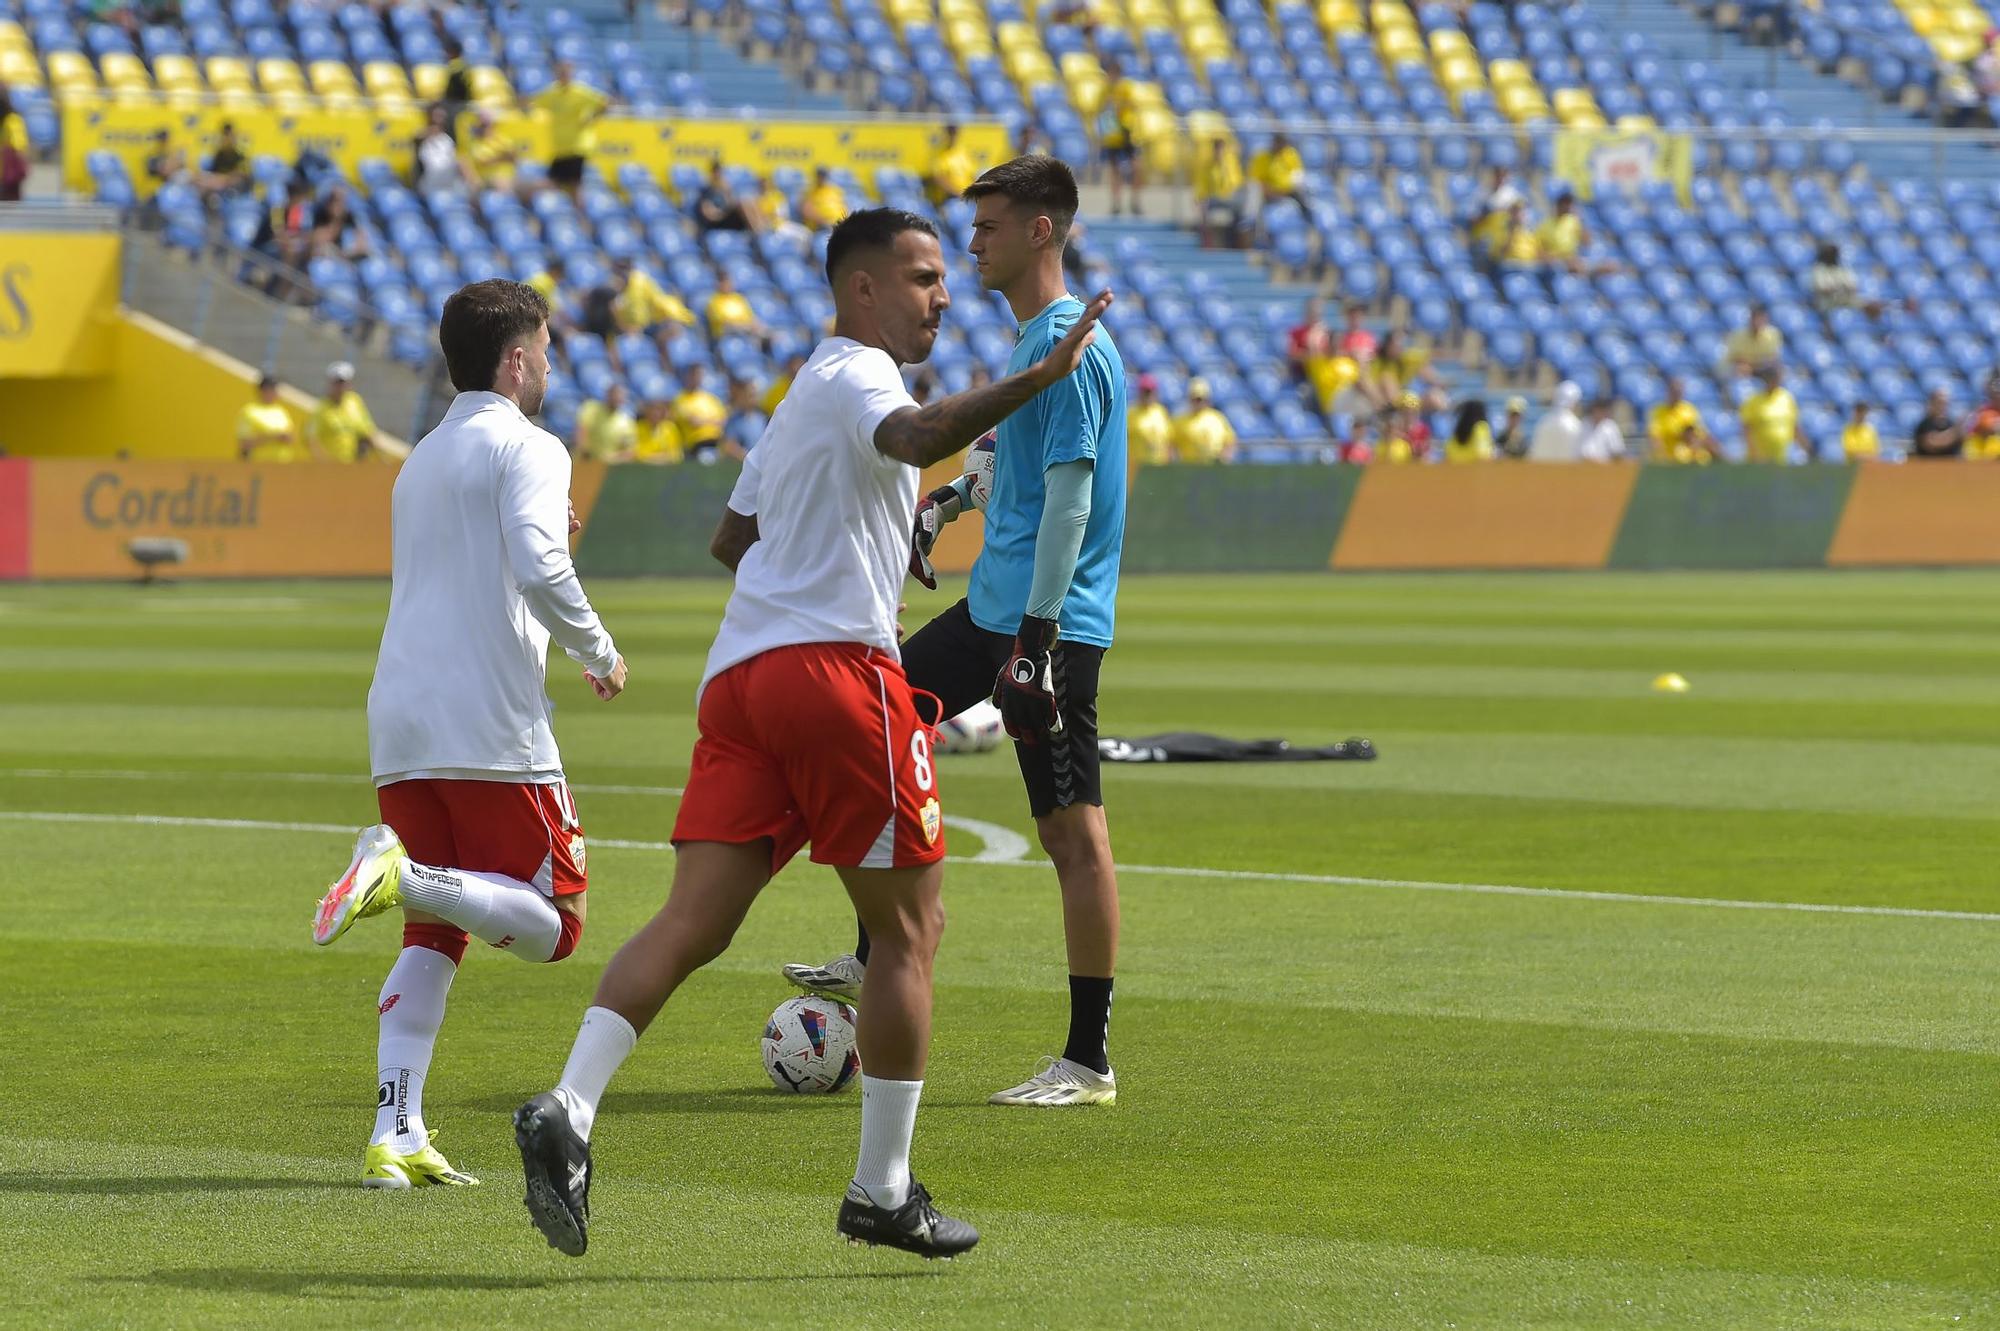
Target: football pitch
1585,1006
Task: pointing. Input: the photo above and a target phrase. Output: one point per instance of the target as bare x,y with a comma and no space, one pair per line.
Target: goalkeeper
1033,628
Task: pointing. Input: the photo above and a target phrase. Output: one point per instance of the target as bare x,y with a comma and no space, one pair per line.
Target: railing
221,298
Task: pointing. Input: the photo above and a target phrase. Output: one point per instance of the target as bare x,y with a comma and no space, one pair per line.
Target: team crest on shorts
932,819
577,852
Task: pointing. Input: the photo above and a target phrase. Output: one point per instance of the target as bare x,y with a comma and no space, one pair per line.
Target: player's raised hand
1066,355
575,523
611,685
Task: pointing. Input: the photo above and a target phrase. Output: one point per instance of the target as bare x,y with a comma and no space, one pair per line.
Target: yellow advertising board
58,304
347,132
1593,159
239,519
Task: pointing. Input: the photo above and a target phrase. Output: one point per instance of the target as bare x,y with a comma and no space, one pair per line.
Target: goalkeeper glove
1025,690
931,517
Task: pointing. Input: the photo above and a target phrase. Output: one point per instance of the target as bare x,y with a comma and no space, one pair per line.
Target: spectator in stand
571,110
825,203
774,392
1755,347
1279,171
14,161
1357,341
457,93
285,233
1149,429
1603,441
1412,425
1395,445
729,312
1986,66
700,415
265,430
165,164
774,212
952,168
1512,439
1859,442
488,160
1982,432
1399,366
1203,433
335,232
552,285
1959,105
1519,247
1676,431
605,431
1309,341
1558,435
1770,418
1471,435
746,422
340,428
641,305
1490,220
1939,433
437,164
1117,139
716,207
1560,241
1834,285
227,170
1218,195
657,440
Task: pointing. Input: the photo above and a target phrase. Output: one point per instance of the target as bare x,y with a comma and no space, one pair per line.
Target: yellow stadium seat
131,95
238,99
1080,64
1150,14
489,84
1569,101
1014,35
968,37
228,73
331,77
13,37
1521,104
18,69
1449,41
1338,16
1392,14
1400,46
71,69
1633,124
962,9
1029,69
1206,44
1510,73
1086,95
383,79
1456,73
276,75
1922,19
428,80
122,69
902,13
176,73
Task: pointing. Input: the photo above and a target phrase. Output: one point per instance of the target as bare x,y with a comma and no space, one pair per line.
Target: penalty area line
988,857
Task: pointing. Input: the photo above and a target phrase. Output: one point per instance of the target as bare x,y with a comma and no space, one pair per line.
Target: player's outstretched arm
920,436
734,536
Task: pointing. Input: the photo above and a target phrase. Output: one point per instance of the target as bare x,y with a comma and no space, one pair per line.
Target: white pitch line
1165,870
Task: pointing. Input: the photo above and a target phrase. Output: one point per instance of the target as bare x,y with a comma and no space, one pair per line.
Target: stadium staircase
730,80
1807,95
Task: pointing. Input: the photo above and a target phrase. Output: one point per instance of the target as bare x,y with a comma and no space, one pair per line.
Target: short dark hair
268,381
869,229
1037,181
479,322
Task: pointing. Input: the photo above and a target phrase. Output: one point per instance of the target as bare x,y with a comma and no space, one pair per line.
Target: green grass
1344,1105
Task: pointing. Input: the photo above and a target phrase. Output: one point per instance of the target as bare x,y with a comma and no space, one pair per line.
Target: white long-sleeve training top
482,581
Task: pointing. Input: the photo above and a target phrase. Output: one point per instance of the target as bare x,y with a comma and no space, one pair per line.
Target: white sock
493,908
602,1043
412,1008
888,1117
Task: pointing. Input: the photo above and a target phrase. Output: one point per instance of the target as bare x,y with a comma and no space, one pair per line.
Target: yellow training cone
1670,683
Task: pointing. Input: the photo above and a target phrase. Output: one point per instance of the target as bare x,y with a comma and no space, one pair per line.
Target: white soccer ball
809,1046
979,466
975,730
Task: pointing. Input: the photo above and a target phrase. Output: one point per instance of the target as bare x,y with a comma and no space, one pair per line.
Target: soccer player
479,834
1055,525
808,730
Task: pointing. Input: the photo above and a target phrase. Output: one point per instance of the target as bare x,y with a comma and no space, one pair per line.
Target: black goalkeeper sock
861,942
1089,1021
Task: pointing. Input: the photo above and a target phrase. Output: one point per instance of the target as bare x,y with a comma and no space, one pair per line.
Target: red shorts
817,743
523,831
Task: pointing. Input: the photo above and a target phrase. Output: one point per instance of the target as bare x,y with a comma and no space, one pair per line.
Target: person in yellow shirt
1519,247
774,392
1149,429
1859,442
1203,434
825,203
1471,438
487,155
605,431
1116,139
729,311
952,169
14,159
774,212
571,109
265,430
642,305
1218,194
1279,170
1770,419
340,428
657,440
1755,347
1676,431
1560,240
698,413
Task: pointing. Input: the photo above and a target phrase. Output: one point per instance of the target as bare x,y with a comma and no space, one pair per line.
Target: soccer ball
974,730
809,1046
979,466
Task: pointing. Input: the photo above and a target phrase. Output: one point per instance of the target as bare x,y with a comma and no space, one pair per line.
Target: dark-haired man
1055,526
479,835
808,730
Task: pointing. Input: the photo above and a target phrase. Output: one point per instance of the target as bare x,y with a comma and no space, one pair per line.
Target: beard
532,396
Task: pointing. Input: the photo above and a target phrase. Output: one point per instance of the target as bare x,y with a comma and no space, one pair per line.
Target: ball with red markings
809,1046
